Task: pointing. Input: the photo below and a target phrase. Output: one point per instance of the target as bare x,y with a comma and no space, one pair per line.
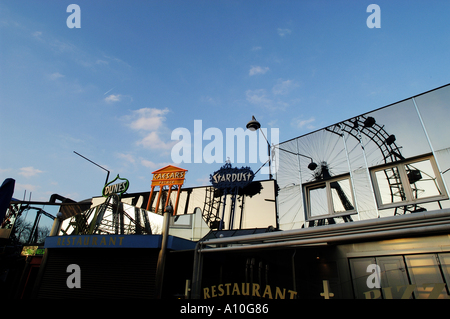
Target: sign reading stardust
229,178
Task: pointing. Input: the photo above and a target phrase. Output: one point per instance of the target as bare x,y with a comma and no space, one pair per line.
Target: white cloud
258,70
258,97
300,123
154,165
126,157
152,140
113,98
283,32
29,171
283,87
55,76
148,119
149,122
210,100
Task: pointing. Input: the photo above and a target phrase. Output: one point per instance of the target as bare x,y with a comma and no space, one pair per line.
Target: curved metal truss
390,153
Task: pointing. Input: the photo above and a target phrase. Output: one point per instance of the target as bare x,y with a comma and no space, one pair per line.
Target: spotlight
312,166
414,176
369,122
390,139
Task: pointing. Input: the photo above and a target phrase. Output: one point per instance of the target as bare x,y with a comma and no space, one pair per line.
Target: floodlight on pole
254,125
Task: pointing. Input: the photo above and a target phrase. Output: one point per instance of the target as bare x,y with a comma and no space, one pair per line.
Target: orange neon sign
167,176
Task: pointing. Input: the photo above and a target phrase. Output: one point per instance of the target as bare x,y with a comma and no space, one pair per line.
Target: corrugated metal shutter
105,273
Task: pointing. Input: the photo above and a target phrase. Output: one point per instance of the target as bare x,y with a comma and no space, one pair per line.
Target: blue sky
115,89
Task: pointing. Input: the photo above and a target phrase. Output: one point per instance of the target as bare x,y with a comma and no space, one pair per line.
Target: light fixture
312,166
253,125
390,139
369,122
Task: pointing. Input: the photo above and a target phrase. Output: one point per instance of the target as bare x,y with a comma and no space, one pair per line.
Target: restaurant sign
246,289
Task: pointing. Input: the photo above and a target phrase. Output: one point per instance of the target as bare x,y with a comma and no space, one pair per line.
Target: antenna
107,176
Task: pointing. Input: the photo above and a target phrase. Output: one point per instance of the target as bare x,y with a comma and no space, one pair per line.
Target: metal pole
197,271
162,253
87,159
268,152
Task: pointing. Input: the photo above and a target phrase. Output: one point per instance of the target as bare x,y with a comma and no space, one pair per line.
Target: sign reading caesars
167,176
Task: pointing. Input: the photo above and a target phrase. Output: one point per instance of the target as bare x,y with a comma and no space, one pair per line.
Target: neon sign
169,176
229,180
228,177
118,188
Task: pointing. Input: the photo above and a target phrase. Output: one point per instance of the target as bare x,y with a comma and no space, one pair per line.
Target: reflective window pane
422,179
389,186
424,272
318,203
342,196
358,268
394,278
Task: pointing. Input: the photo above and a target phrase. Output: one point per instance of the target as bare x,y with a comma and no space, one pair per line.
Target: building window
422,276
408,183
329,198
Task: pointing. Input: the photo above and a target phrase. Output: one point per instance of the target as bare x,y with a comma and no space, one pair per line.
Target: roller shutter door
105,273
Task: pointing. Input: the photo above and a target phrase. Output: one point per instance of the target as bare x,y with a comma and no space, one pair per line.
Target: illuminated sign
247,289
171,177
32,251
118,188
228,177
167,176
